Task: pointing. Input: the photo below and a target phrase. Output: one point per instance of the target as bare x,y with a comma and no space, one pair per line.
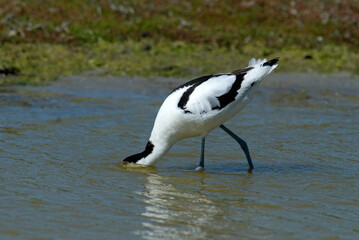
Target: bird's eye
252,84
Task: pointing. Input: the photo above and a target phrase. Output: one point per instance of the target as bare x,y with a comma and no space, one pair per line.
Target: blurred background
43,39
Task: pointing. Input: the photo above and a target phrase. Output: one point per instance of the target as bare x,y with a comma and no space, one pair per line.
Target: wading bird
201,105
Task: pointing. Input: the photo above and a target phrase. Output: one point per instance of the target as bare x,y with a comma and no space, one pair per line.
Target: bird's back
200,105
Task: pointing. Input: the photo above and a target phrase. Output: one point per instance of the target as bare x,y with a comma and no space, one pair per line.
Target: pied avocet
201,105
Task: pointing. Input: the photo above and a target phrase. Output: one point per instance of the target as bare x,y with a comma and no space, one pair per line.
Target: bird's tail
263,62
272,62
266,66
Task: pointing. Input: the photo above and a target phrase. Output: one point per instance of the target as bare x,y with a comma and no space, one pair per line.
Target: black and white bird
201,105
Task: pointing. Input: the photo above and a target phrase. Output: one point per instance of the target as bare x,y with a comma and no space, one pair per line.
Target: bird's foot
199,169
250,170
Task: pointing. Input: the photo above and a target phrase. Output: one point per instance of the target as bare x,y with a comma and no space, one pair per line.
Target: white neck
154,151
158,151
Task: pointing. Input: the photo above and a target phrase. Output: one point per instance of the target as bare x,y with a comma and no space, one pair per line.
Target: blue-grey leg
201,162
243,145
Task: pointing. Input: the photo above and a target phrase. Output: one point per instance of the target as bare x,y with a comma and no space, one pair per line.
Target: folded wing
206,96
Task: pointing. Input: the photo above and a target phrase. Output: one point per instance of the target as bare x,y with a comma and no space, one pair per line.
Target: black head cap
136,157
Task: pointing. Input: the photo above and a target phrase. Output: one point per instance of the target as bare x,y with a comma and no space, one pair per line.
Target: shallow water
60,147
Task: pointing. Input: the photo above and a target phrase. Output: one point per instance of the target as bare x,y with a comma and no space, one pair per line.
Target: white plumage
199,106
204,97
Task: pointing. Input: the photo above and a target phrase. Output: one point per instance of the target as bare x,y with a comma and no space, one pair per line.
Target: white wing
204,96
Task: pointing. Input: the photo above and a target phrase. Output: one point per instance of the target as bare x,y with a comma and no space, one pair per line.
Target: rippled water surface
60,147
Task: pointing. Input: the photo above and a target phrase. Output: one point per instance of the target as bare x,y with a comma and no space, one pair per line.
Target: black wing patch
230,96
185,97
197,81
224,99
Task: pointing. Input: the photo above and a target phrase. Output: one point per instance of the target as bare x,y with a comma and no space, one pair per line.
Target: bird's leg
201,162
243,145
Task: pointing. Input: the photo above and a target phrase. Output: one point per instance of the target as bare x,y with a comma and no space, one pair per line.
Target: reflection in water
174,213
